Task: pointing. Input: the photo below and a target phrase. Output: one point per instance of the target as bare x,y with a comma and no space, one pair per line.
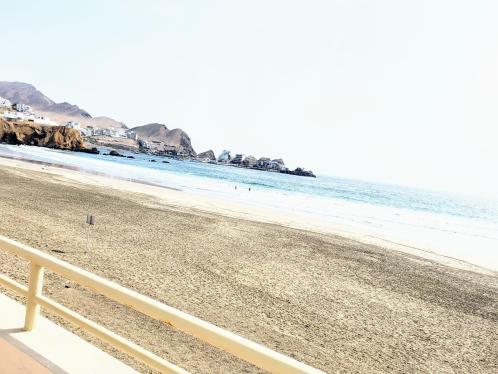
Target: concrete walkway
49,348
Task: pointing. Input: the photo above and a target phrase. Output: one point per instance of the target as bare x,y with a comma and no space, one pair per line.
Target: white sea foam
471,240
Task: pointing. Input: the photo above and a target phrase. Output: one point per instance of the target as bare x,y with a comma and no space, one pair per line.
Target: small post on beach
90,221
35,288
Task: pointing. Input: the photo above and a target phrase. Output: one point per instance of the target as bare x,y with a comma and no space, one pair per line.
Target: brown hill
19,92
157,132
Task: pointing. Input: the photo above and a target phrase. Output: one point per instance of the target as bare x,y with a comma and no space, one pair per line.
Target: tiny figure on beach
235,187
249,189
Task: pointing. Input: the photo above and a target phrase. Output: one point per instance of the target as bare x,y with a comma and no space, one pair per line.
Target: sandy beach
335,302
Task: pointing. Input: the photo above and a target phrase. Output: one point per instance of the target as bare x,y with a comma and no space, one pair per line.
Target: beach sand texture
332,302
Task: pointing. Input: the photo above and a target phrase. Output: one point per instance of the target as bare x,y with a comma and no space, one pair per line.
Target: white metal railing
245,349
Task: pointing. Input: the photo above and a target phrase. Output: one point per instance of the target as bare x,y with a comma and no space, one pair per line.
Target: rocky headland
58,137
158,139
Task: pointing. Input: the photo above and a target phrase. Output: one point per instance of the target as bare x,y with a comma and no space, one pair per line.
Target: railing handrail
243,348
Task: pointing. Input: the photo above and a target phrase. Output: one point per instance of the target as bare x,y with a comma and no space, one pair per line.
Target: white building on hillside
130,134
117,133
86,131
73,125
12,116
4,103
41,120
22,108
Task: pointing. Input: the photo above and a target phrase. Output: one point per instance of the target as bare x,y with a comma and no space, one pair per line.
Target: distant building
224,156
22,108
86,131
73,125
4,103
42,120
106,132
237,159
116,133
12,116
132,135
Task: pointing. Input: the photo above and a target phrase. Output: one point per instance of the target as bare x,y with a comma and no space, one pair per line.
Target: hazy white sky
396,91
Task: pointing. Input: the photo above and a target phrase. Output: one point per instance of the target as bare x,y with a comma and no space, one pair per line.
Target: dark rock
152,161
158,136
249,161
92,150
299,171
115,153
130,156
165,162
208,155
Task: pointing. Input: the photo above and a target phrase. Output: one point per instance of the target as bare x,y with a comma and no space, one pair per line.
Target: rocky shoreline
251,162
24,121
62,137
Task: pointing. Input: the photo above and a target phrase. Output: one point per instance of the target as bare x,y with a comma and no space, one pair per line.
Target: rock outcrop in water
208,155
161,140
26,133
249,161
299,171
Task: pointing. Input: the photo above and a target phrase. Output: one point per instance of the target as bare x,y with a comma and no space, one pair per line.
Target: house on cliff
12,116
42,120
130,134
4,103
86,131
73,125
23,108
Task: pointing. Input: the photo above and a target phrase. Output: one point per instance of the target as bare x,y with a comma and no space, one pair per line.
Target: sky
401,92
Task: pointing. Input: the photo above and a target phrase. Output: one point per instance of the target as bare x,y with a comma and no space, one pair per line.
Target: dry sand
332,302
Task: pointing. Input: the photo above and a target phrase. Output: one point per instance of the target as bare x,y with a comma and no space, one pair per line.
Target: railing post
34,289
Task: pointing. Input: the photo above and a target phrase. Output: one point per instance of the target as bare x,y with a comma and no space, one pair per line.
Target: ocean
449,224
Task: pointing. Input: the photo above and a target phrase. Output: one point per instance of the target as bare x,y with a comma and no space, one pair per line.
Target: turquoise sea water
463,227
418,199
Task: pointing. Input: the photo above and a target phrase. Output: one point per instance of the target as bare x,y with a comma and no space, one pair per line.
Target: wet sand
332,302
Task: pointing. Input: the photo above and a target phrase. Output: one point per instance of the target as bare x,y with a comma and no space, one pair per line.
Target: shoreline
233,209
328,301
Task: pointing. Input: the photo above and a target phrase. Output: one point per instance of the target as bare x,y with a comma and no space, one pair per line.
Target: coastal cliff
26,133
